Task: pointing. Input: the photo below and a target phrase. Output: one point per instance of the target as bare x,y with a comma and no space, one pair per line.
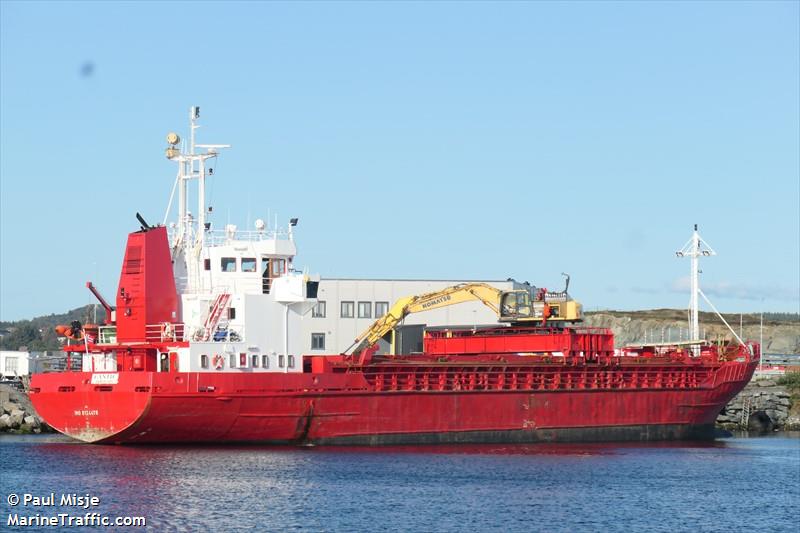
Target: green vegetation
38,334
790,380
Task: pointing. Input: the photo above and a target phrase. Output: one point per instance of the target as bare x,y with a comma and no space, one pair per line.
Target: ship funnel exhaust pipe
145,225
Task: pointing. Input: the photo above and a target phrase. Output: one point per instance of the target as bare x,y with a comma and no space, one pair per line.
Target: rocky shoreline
762,406
17,414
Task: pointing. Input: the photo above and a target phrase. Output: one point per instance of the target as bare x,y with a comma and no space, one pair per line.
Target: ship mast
693,249
188,235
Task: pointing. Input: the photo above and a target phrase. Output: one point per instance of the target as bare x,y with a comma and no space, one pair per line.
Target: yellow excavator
526,306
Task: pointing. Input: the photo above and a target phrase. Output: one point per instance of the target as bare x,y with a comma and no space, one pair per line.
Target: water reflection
681,485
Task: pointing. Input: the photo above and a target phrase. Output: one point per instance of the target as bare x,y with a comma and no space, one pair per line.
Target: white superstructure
241,298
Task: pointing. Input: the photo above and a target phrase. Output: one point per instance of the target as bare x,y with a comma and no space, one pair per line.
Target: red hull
475,404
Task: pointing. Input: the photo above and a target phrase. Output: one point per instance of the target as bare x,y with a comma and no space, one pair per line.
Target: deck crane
526,306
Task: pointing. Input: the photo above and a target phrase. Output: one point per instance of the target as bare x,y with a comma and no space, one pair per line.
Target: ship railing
225,236
251,285
107,335
220,237
165,332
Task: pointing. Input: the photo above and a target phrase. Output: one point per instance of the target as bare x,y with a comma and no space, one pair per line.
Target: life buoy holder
218,361
166,331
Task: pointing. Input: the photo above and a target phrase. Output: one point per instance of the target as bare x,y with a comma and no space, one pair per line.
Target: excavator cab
516,305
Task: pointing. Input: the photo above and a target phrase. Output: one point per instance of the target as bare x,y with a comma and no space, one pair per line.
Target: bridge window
231,313
291,361
381,308
281,361
317,341
265,361
254,361
207,264
228,264
248,264
364,309
319,310
243,360
347,309
204,361
232,360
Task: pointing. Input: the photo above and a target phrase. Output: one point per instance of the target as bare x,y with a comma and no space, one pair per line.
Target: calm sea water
736,484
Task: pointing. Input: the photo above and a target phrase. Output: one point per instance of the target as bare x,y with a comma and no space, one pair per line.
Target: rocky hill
781,332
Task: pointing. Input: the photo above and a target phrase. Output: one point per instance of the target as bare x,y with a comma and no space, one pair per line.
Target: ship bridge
236,261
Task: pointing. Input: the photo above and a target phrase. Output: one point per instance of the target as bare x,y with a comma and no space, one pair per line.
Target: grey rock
15,420
31,421
5,421
9,406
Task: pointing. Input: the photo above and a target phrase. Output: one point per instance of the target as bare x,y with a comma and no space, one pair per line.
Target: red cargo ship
164,368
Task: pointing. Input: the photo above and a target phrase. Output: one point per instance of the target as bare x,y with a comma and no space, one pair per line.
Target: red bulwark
146,293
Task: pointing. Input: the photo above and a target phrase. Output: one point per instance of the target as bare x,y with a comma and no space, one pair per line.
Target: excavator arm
465,292
517,307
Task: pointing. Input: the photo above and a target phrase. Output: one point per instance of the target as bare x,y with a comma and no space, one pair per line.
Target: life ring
218,361
166,331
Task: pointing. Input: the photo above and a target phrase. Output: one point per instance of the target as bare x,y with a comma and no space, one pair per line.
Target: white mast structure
693,249
188,239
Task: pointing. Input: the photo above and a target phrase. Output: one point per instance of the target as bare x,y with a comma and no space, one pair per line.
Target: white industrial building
347,307
14,364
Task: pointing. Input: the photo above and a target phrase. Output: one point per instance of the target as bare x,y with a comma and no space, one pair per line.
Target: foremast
695,248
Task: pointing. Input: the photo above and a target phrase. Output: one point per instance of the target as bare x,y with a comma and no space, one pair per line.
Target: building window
228,264
347,309
264,361
364,309
231,313
281,361
381,308
232,360
254,361
204,361
319,310
207,264
248,264
11,366
317,341
291,361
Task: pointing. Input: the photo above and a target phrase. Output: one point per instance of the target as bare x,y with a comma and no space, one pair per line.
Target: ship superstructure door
271,268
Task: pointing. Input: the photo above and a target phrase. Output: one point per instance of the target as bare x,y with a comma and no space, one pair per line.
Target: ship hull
345,409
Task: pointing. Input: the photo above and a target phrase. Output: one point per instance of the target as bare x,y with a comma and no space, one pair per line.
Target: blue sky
414,140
